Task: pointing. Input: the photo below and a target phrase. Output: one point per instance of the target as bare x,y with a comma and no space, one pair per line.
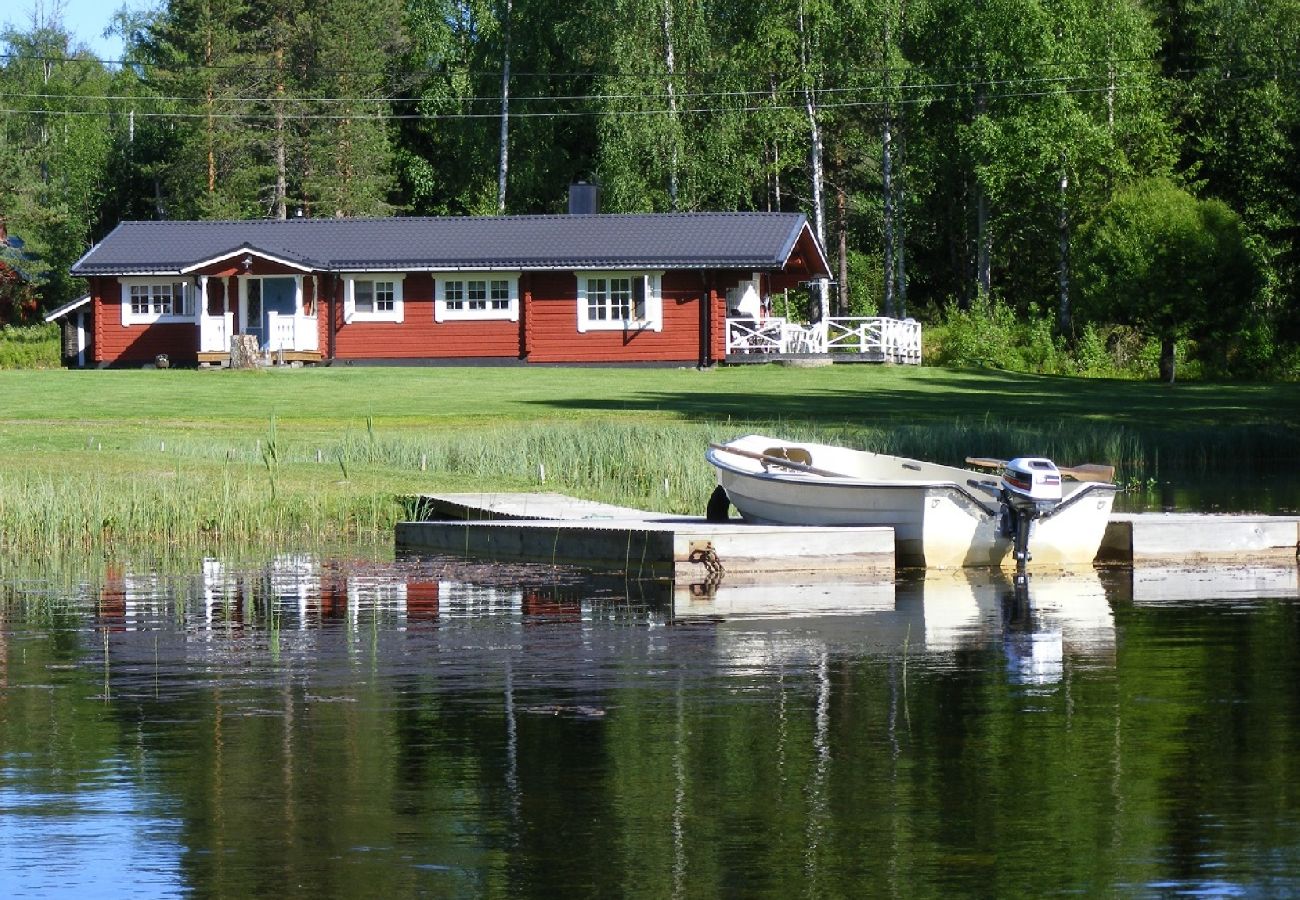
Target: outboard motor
1030,489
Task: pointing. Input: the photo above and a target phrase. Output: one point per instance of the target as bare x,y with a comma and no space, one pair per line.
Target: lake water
309,727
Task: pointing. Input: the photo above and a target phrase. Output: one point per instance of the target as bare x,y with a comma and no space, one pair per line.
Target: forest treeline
1075,172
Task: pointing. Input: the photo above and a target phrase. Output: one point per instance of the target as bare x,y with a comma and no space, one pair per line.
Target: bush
30,347
1114,351
989,335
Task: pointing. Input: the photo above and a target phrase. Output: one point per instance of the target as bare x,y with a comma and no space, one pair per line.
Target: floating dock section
553,528
1137,538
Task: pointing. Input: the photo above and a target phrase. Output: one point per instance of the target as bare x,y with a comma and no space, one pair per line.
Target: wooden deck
277,358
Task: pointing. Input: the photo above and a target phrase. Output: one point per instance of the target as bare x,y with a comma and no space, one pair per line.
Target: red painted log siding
553,335
718,324
418,336
546,333
115,344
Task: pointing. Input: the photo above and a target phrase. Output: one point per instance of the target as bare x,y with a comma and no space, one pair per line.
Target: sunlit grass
135,461
200,492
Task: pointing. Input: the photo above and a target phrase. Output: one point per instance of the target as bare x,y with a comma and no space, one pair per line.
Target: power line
556,98
142,65
559,114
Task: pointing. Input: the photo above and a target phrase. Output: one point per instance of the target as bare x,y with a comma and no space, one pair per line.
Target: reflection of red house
333,593
545,289
421,599
552,604
110,611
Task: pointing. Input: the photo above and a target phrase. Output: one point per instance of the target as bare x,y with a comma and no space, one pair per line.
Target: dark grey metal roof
743,240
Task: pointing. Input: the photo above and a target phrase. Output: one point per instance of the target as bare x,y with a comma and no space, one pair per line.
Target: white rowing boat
942,516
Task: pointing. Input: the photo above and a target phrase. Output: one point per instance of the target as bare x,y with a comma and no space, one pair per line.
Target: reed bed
196,494
93,512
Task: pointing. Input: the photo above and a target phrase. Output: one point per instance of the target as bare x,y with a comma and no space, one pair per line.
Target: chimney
584,198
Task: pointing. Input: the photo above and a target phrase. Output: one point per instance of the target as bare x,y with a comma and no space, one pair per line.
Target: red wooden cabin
577,288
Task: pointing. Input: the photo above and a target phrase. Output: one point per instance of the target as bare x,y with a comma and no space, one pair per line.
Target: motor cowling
1032,482
1031,488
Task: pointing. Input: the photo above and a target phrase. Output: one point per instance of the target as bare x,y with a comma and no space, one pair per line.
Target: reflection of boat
1065,614
942,516
1041,623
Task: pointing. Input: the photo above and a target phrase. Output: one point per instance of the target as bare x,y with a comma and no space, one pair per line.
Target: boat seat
794,454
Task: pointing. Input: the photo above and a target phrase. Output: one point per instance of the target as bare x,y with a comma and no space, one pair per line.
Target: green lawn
459,396
190,457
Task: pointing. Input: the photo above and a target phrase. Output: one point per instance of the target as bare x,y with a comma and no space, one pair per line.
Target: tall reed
285,488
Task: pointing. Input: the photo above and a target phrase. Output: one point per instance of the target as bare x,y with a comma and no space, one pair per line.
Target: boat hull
941,516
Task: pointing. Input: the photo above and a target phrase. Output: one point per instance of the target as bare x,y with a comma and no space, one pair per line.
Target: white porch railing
214,332
291,333
894,340
877,337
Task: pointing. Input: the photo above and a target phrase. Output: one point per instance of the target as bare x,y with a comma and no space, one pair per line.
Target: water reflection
294,600
1040,623
1207,492
342,727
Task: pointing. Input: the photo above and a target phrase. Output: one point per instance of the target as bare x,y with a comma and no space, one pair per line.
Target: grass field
186,458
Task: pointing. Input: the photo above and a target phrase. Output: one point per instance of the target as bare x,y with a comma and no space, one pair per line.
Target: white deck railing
214,333
875,337
284,332
291,332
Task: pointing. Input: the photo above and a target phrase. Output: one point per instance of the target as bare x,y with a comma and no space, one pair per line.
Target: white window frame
352,314
444,313
188,304
651,318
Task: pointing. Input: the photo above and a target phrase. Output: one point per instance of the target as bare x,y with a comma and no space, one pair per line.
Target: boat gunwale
849,481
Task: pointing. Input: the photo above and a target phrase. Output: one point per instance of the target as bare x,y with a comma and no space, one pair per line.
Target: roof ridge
352,220
734,239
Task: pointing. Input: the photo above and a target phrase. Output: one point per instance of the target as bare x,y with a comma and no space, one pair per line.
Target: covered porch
271,301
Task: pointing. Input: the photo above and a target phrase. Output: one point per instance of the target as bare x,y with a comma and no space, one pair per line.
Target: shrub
988,335
30,347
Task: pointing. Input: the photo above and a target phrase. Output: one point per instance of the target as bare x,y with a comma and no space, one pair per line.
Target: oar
1081,472
779,461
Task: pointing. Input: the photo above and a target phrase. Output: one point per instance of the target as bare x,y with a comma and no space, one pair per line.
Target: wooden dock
1138,538
553,528
558,529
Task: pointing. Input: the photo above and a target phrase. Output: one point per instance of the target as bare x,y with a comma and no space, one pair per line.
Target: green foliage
1174,266
29,347
866,280
1113,351
54,148
990,335
1011,124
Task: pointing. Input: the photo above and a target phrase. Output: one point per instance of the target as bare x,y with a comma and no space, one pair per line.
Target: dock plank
1135,538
